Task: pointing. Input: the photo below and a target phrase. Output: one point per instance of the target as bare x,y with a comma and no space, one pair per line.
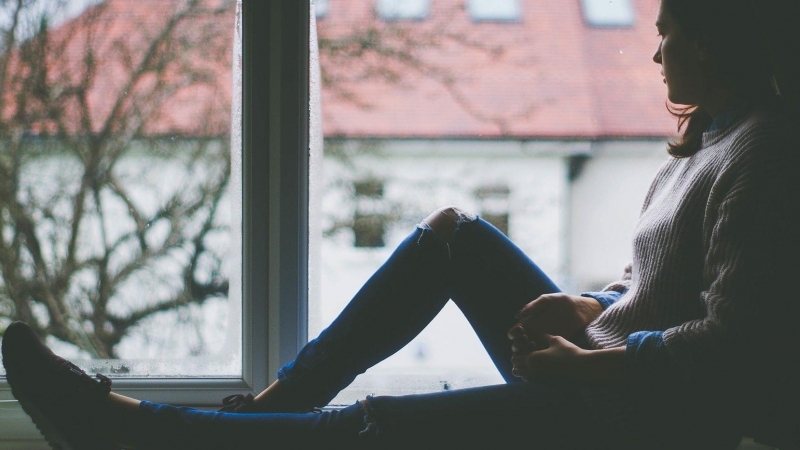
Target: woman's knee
444,221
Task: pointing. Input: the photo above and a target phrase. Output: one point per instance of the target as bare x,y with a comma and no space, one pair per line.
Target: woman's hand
557,315
546,355
553,355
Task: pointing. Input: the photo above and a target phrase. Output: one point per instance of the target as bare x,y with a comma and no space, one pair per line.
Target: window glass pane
497,10
402,9
552,140
610,13
120,207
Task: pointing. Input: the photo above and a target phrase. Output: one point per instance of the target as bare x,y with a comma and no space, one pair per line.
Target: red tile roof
550,75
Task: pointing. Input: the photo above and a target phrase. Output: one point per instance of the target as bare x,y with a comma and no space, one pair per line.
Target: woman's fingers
522,344
534,307
522,367
527,310
516,332
520,361
541,340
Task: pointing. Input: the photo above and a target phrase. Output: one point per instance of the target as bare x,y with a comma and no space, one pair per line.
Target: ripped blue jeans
489,279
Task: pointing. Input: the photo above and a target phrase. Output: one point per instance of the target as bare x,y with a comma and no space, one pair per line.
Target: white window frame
275,58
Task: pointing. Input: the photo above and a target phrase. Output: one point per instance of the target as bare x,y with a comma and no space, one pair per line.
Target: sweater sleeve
647,357
605,298
750,257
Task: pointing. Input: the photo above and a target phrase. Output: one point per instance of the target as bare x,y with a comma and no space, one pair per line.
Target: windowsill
19,432
17,429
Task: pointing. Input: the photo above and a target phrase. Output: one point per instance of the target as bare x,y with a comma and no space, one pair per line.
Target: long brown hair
735,36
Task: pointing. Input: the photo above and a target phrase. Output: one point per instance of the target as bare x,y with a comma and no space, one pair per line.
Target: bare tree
95,238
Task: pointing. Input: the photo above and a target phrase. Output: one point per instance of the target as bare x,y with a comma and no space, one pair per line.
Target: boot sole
54,437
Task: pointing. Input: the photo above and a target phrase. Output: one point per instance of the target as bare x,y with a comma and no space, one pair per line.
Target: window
494,10
420,114
369,219
403,9
122,245
609,13
269,245
287,259
321,8
493,201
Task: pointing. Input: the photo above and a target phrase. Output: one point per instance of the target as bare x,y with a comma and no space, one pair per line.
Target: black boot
65,403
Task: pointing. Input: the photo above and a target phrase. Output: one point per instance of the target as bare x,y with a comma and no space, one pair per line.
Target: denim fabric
490,280
481,270
540,414
544,413
606,298
648,357
170,428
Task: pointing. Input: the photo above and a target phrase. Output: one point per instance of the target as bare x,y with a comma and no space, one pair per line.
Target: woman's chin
680,100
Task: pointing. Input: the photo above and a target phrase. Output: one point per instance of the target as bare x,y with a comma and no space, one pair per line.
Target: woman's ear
700,47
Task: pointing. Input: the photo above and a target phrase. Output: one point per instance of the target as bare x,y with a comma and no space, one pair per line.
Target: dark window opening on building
500,221
493,204
369,230
370,188
369,219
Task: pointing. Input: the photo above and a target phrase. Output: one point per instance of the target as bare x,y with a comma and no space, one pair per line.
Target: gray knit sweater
716,261
712,248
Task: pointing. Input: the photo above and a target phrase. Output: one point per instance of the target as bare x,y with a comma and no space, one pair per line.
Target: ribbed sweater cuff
606,298
648,357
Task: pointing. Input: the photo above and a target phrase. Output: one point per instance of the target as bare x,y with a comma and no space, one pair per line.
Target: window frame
275,117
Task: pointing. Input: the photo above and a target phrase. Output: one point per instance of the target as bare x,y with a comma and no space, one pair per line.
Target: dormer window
609,13
403,9
494,10
321,8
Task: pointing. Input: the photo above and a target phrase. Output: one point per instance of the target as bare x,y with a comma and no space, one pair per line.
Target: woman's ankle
122,413
278,397
123,404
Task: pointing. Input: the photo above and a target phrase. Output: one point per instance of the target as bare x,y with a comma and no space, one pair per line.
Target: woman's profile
692,347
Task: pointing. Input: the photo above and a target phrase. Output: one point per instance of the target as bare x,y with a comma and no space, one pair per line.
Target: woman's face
681,61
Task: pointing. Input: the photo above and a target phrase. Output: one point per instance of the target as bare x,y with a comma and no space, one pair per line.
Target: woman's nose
657,55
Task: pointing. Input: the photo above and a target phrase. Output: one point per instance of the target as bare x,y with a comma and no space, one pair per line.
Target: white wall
421,176
605,203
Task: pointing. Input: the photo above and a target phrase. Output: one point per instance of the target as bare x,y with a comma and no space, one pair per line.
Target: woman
660,358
